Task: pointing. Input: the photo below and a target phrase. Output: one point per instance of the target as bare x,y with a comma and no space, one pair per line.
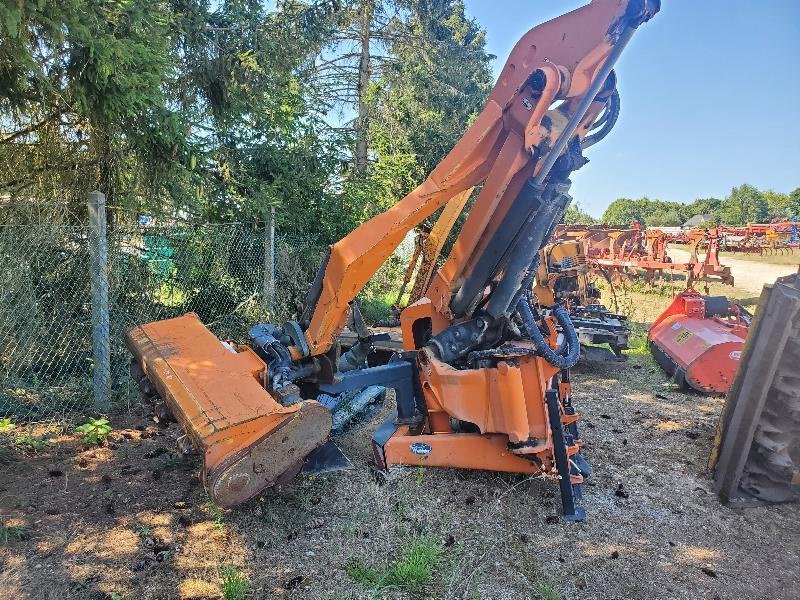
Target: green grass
637,342
6,424
13,533
400,509
361,573
411,572
545,589
234,583
643,304
375,309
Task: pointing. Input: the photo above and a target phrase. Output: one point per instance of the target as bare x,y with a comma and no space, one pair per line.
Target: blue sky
710,98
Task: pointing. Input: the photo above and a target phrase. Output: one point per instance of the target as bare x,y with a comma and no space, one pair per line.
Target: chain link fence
232,275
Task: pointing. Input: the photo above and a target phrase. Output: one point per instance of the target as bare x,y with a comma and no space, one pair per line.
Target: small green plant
143,531
400,509
361,573
30,443
234,583
217,513
95,431
415,567
545,589
13,533
637,345
6,424
413,570
115,596
420,474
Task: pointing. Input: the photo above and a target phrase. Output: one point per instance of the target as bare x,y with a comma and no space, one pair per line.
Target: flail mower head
699,340
251,435
248,441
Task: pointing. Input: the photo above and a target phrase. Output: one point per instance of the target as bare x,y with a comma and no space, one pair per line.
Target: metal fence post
98,274
269,265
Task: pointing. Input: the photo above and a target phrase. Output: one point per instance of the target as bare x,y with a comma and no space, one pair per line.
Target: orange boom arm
508,143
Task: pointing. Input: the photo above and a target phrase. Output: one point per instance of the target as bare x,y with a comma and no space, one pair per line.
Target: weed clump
94,431
13,533
411,572
234,583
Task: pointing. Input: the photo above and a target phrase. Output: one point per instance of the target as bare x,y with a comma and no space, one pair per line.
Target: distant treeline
744,204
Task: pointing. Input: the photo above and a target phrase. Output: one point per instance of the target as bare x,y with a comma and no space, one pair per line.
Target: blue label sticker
421,449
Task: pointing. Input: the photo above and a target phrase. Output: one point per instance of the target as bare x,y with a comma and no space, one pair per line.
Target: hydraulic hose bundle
568,353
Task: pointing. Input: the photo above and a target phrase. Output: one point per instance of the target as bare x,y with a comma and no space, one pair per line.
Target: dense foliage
575,215
744,204
199,110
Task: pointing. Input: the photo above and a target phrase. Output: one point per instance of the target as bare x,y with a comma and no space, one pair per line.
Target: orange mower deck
247,439
699,341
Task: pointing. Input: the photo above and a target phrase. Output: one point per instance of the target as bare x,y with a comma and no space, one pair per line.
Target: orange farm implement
699,341
629,253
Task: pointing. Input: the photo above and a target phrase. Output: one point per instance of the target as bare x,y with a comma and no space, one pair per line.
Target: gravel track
748,275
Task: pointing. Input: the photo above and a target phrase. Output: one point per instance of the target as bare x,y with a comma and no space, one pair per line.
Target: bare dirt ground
749,274
131,520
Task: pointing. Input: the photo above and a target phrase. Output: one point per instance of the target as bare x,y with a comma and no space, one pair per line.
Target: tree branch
30,128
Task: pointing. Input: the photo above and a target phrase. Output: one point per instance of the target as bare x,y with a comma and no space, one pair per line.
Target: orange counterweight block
248,440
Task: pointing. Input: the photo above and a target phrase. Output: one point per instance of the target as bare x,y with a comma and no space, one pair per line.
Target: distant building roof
698,220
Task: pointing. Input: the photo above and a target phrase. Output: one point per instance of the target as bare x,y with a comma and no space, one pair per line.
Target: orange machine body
506,404
697,347
497,404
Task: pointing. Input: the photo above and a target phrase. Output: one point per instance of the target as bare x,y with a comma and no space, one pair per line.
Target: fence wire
45,321
221,272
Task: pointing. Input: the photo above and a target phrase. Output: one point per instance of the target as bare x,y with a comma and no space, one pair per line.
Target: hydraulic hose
527,282
573,353
564,345
605,123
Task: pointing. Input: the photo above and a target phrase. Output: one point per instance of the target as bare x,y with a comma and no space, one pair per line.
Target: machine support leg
571,512
567,404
